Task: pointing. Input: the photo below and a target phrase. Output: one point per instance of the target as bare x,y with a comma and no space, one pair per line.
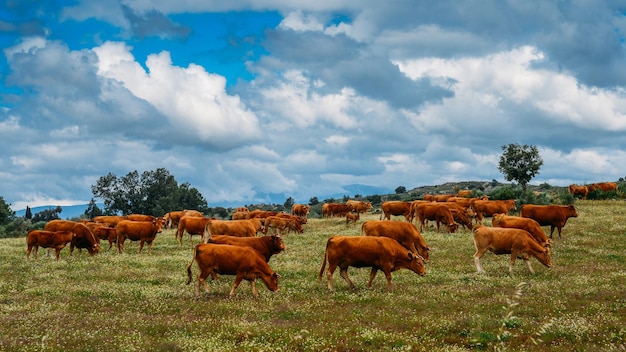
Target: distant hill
67,212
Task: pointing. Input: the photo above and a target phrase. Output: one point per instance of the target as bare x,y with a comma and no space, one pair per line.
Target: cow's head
416,263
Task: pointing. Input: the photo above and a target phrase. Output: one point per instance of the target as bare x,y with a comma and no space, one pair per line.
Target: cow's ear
410,255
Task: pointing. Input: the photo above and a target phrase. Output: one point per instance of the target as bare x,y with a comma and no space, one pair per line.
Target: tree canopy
152,193
520,163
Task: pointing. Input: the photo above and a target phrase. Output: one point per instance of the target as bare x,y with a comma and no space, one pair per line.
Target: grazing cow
84,236
352,218
437,212
461,218
301,220
239,228
378,253
603,186
396,208
193,225
261,214
486,208
404,232
576,190
518,222
516,242
267,246
47,239
360,206
301,210
142,231
243,262
109,220
172,218
282,225
553,215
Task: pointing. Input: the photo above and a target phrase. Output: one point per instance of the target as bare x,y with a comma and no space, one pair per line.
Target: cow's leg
238,279
150,246
202,275
329,274
477,256
512,262
254,290
388,276
529,266
551,230
559,229
57,252
343,271
372,276
141,242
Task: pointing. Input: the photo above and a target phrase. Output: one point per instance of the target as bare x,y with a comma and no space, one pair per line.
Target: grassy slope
136,302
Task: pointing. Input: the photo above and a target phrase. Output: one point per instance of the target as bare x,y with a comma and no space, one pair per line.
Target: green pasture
140,302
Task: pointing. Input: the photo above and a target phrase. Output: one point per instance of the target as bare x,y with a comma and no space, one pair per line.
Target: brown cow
239,228
267,246
262,214
84,236
172,218
240,215
553,215
243,262
518,222
360,206
378,253
193,225
301,210
443,197
330,210
396,208
47,239
242,210
603,186
465,193
140,217
437,212
142,231
282,225
301,220
461,218
486,208
352,218
106,233
404,232
109,220
516,242
576,190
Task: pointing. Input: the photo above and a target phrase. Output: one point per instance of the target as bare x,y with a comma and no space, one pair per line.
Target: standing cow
378,253
47,239
84,236
142,231
552,215
516,242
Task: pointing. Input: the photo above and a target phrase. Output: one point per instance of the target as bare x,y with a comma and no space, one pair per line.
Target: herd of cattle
232,247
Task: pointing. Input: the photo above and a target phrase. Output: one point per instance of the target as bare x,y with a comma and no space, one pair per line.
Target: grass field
131,302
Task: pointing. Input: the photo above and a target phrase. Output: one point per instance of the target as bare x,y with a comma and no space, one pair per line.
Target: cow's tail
319,277
193,259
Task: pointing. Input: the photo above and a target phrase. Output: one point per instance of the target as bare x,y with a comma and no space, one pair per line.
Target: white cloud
194,101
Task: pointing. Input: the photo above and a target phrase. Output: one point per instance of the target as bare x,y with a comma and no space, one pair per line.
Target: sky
242,99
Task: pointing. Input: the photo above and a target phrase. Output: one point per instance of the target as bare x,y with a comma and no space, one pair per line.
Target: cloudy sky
250,97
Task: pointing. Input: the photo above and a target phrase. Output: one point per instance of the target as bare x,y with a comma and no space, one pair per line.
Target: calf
193,225
47,239
106,233
142,231
404,232
243,262
378,253
516,242
352,218
553,215
267,246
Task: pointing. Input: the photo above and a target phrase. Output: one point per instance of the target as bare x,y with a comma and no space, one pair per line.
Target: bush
19,227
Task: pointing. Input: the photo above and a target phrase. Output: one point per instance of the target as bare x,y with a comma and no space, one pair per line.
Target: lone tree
520,163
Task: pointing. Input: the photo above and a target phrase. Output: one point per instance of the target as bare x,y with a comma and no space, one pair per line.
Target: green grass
131,302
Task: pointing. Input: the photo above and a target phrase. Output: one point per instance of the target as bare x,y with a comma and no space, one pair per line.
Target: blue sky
246,98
